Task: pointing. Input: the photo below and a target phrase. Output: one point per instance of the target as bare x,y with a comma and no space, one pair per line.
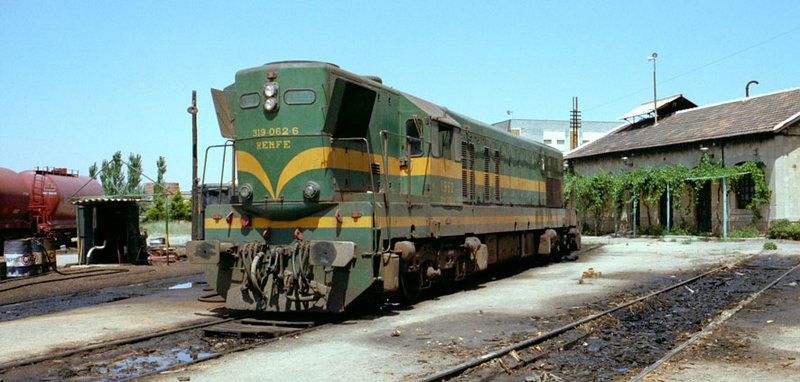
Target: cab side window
413,137
446,141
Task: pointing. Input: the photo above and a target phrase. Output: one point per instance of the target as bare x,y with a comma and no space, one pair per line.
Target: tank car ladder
38,206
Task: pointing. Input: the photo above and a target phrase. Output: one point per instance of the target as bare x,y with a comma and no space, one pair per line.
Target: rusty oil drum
26,257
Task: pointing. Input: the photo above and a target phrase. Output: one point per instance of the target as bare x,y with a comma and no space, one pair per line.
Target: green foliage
156,211
595,195
687,241
133,184
161,165
680,229
653,231
598,194
770,246
113,178
784,229
180,208
744,232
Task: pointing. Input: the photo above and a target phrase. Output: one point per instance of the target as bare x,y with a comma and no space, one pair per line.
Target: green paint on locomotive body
351,141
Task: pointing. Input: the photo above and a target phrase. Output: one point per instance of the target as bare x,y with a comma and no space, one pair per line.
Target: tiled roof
757,114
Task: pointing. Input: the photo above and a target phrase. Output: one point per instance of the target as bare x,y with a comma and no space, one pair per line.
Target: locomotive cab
305,185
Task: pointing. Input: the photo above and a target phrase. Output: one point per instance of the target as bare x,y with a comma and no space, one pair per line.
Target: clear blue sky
80,80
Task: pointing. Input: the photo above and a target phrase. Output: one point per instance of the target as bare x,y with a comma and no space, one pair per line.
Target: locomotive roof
436,112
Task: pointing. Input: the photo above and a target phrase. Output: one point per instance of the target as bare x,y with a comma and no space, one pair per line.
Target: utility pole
574,124
195,200
655,107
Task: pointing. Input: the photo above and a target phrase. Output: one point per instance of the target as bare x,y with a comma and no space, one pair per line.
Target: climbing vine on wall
598,194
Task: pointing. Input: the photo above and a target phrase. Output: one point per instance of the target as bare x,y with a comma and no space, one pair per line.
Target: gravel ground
406,343
760,343
618,346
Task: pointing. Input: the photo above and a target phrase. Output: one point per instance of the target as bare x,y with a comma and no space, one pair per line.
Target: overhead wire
723,58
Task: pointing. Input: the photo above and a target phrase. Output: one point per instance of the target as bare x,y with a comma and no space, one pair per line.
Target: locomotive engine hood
299,136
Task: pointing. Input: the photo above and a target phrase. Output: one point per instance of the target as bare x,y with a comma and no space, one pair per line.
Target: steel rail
123,341
710,326
460,368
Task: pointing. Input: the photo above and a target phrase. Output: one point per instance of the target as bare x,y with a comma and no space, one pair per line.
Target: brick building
172,187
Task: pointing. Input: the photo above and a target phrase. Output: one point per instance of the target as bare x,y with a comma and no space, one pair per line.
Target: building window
745,191
560,142
548,141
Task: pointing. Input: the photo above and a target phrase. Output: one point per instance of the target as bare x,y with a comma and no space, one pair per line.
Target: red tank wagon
38,201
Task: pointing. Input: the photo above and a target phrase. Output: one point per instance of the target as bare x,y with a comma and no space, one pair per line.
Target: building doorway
704,208
662,210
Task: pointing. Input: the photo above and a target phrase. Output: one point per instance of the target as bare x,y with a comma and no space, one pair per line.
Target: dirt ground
44,286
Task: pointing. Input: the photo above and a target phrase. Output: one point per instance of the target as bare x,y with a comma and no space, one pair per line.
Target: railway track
560,353
148,354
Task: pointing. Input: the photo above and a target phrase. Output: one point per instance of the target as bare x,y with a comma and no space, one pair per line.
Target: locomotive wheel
411,283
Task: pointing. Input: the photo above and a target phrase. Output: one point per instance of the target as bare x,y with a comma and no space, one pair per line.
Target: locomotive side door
414,161
445,168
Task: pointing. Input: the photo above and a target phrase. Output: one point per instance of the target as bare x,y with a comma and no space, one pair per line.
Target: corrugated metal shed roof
662,104
105,199
754,115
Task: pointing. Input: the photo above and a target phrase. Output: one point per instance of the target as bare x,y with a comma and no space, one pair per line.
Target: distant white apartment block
556,133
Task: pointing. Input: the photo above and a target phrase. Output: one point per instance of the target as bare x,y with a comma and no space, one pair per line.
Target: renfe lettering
273,144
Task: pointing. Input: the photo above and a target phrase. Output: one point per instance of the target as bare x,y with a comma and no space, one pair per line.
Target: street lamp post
655,109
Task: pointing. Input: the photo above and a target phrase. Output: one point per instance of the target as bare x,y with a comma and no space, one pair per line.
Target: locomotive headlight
271,104
271,92
246,192
271,89
311,190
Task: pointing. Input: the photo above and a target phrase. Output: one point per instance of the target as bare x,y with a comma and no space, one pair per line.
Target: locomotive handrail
385,155
222,171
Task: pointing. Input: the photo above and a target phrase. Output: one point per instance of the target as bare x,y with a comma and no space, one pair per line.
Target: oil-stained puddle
133,366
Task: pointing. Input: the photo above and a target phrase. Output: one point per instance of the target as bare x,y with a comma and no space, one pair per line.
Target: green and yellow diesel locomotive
346,188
